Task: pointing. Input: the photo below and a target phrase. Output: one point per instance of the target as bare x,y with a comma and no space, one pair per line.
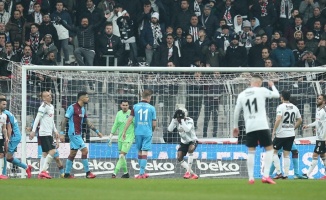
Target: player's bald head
256,80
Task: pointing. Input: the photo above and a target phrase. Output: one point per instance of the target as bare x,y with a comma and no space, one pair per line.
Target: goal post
173,87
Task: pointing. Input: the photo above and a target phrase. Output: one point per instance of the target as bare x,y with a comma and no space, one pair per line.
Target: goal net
209,95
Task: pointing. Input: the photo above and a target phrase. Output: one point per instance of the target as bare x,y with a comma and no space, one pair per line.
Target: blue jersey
76,115
144,114
13,122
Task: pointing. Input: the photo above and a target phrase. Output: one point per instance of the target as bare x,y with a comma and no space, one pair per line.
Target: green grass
157,189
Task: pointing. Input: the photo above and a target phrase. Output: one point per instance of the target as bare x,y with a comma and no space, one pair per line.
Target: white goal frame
25,68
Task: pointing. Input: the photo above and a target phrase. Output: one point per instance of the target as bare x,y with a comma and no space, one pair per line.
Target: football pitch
157,189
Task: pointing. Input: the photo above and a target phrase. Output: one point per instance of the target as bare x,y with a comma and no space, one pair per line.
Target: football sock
272,169
17,162
190,161
277,163
124,165
56,154
286,165
324,162
47,162
143,163
295,161
119,164
61,169
68,166
184,164
312,165
42,159
85,163
268,159
250,164
4,170
1,165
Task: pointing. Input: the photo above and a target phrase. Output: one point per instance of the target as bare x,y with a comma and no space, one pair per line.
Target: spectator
151,38
283,10
308,60
202,43
213,55
8,55
20,7
273,45
33,38
194,28
219,29
126,27
3,30
255,27
106,6
300,51
246,35
18,48
188,52
298,26
28,58
197,7
298,35
317,30
144,18
168,52
110,44
264,40
237,24
321,55
46,46
47,27
36,16
316,17
311,43
253,59
306,9
117,12
2,42
282,55
4,15
269,63
276,36
209,21
85,52
265,55
223,39
63,33
49,59
179,39
92,13
182,18
236,56
265,12
227,12
16,26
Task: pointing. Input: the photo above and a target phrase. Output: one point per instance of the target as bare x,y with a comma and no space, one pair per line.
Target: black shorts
185,147
2,145
285,143
46,143
261,136
320,147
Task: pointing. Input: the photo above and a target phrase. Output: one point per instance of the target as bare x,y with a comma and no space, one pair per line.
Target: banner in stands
211,160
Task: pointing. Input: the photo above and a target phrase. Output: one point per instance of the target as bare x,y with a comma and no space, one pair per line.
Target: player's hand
110,140
31,135
62,138
100,135
304,127
236,132
56,135
57,144
270,83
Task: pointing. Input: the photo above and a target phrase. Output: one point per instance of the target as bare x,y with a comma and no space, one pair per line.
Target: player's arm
154,119
9,131
277,123
115,124
39,115
172,125
92,127
68,115
237,110
298,123
129,121
274,93
4,132
186,126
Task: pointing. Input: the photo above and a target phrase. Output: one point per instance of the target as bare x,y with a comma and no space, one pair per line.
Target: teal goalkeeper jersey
120,122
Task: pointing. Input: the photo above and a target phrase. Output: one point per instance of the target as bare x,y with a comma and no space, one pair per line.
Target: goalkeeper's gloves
110,140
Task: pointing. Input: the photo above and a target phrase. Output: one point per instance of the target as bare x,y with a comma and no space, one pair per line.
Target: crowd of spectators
186,33
202,33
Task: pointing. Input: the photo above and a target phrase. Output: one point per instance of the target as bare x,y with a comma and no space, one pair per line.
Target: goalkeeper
123,145
186,129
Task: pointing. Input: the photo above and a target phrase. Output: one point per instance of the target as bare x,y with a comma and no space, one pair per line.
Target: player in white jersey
252,102
320,125
288,118
3,137
45,117
186,129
